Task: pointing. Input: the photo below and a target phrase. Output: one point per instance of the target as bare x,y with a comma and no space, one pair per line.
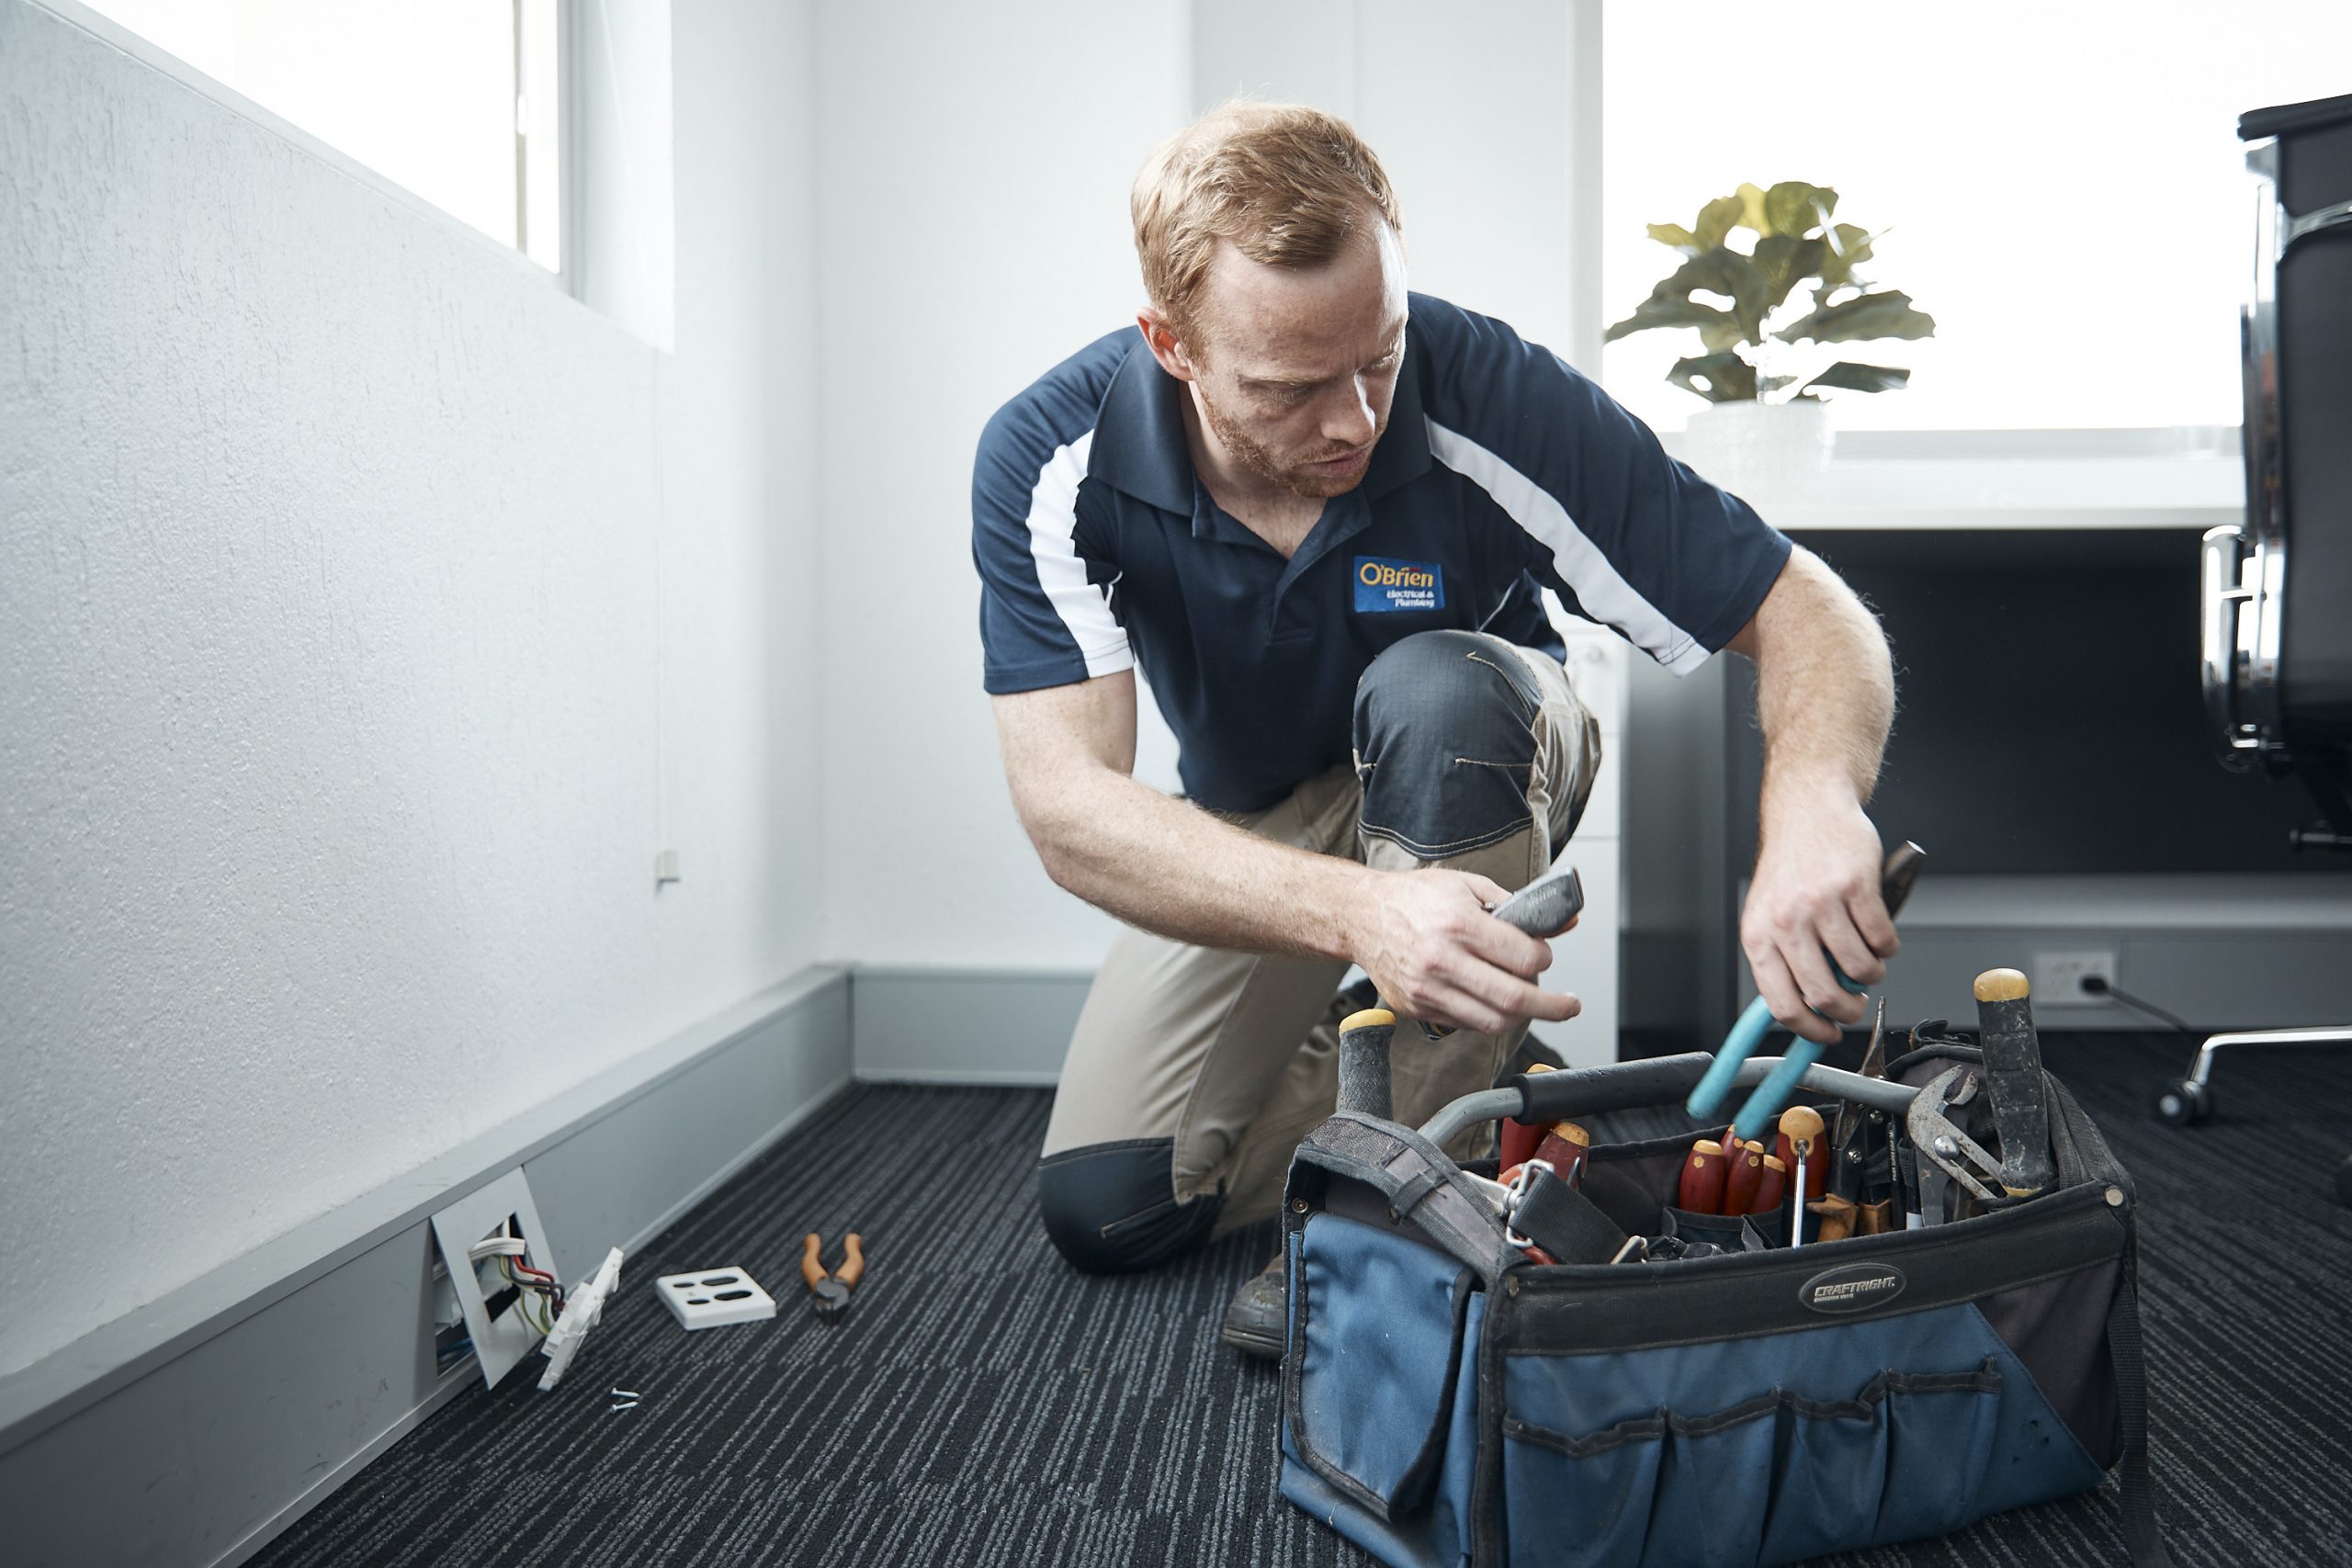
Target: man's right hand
1426,939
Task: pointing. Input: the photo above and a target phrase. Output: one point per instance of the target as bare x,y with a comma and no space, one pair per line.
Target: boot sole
1265,1347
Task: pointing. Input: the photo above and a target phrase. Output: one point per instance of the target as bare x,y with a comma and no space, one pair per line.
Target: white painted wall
367,603
976,166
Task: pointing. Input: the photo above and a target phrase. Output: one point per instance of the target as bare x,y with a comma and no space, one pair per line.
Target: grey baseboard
196,1429
912,1025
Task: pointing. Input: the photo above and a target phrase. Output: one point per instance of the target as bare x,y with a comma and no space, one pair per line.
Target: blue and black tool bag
1447,1400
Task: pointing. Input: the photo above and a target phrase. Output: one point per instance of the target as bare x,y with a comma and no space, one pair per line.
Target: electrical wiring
541,1286
2099,986
510,1250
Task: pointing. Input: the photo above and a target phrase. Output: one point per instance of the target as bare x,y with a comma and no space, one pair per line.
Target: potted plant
1767,360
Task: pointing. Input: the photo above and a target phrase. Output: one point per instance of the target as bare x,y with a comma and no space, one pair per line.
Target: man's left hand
1815,899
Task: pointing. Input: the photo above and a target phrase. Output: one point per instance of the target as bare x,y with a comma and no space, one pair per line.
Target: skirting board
983,1026
194,1431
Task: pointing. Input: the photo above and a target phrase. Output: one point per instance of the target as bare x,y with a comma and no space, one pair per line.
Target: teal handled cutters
1901,871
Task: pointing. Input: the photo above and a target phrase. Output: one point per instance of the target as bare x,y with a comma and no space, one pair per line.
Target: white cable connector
581,1312
499,1247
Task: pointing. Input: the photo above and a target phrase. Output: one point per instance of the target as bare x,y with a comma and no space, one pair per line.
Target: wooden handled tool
1814,1154
1801,1139
1565,1147
1746,1175
1772,1186
2012,1073
1700,1189
1837,1217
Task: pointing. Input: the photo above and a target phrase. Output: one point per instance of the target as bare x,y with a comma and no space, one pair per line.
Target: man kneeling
1319,512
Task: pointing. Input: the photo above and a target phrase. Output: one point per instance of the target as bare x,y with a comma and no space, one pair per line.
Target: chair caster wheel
2185,1103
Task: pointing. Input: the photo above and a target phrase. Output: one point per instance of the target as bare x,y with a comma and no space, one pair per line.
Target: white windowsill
2191,478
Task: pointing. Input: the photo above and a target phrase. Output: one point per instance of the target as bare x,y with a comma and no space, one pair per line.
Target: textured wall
348,664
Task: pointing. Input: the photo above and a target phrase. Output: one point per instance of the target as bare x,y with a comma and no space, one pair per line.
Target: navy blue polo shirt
1502,471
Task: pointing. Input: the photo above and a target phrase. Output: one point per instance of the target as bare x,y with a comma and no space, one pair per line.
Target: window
454,100
2061,186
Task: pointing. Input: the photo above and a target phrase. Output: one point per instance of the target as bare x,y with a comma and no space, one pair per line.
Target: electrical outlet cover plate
2058,977
709,1297
500,1342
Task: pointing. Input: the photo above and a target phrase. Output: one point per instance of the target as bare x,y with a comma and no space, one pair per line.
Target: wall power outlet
2058,977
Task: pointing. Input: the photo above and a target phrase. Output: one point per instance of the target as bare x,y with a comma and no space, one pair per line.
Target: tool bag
1447,1401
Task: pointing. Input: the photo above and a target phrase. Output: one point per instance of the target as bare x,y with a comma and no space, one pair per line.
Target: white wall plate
505,1337
709,1297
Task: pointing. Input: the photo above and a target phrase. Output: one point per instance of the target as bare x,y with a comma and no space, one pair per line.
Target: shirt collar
1139,437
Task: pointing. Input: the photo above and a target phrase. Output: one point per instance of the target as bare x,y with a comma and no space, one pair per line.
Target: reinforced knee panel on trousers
1446,1401
1112,1208
1443,742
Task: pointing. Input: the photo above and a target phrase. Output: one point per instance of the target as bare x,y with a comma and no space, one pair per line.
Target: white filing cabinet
1585,960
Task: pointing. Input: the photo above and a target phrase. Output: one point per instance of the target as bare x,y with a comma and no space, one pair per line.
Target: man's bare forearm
1426,939
1175,870
1824,689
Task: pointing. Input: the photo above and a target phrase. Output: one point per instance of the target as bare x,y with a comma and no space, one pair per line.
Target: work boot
1257,1316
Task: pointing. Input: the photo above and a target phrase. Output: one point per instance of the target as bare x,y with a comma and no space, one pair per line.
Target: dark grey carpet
984,1404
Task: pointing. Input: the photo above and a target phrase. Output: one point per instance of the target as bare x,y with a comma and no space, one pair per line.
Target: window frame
106,31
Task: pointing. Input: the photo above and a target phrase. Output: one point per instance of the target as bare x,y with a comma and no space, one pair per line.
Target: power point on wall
2073,980
665,867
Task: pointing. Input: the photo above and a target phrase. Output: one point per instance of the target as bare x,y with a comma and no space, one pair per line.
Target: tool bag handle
1613,1085
1665,1080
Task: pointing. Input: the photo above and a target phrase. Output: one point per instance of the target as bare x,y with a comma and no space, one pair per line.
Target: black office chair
2278,642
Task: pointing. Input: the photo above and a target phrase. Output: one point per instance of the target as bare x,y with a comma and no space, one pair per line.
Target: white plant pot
1770,449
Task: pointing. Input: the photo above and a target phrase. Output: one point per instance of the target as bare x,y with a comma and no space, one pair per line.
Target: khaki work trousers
1233,1057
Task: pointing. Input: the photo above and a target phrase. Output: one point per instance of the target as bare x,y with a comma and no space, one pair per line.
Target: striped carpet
983,1405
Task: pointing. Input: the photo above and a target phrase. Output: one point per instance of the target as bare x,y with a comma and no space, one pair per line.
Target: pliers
1901,869
1944,1152
832,1289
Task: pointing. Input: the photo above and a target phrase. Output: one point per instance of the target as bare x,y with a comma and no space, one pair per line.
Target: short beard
1298,479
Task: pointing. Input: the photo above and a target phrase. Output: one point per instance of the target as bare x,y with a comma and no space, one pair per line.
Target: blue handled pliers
1901,871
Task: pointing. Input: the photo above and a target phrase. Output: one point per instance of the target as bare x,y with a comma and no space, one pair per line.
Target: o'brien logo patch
1855,1288
1384,584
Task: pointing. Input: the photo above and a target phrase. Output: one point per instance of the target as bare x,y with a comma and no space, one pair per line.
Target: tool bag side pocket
1377,1333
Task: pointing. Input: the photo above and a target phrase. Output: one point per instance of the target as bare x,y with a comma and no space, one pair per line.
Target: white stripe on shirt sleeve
1600,590
1085,609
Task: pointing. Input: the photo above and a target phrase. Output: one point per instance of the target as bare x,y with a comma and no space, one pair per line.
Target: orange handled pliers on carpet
832,1289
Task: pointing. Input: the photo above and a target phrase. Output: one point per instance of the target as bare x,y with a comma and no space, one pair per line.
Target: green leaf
1716,220
1796,209
1729,378
1751,210
1859,378
1887,313
1675,234
1722,271
1851,248
1784,260
1717,336
1656,312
